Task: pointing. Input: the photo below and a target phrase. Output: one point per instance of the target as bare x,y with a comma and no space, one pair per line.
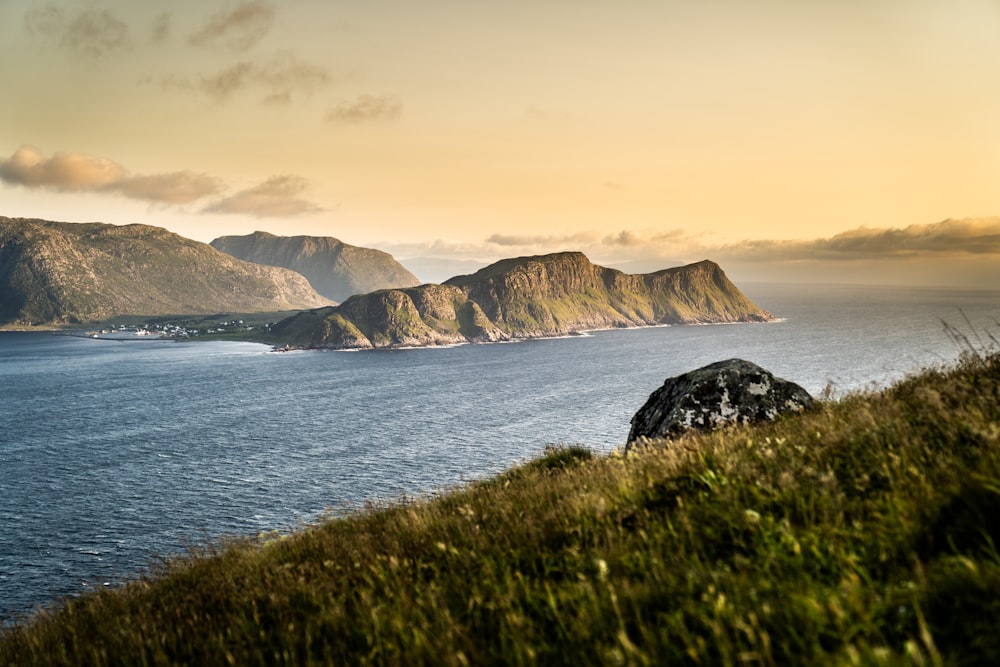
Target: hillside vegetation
335,269
62,273
863,531
524,297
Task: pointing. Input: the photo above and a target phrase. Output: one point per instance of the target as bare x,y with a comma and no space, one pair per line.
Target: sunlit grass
864,531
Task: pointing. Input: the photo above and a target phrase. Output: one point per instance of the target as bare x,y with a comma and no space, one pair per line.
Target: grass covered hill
863,531
62,273
335,269
523,297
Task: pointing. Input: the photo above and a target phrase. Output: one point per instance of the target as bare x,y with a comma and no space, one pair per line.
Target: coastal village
173,330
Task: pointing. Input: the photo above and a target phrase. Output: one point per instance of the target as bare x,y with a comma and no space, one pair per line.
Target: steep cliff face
526,297
545,295
555,294
419,316
334,269
57,272
699,293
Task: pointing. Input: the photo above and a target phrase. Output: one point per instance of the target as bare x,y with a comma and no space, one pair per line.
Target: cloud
161,28
540,241
237,29
180,187
279,78
88,32
63,171
950,237
74,172
366,108
631,239
282,99
955,241
277,197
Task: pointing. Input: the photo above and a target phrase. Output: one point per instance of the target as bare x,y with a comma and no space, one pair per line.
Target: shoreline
577,333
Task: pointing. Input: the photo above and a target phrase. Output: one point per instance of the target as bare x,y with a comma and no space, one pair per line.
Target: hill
860,532
334,269
526,297
62,273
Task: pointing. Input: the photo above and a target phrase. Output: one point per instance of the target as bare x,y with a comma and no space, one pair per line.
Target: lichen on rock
728,392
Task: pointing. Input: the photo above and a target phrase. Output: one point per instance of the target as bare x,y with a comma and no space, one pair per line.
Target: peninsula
522,298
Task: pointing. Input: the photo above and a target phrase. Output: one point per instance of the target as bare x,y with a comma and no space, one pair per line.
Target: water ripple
114,454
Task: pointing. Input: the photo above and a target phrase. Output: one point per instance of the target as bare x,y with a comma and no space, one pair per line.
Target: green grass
862,532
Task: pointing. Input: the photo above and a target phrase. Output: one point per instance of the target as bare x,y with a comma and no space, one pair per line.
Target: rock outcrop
526,297
335,269
60,272
726,392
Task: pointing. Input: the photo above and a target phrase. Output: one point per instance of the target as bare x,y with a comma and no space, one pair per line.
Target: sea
118,454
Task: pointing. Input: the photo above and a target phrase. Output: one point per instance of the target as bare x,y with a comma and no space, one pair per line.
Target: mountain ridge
520,298
65,273
335,269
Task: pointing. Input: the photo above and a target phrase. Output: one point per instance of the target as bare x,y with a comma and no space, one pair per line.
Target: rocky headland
521,298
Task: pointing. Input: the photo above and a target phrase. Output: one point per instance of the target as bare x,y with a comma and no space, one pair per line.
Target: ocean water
116,453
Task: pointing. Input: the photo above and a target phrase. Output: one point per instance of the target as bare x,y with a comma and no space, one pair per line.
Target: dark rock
726,392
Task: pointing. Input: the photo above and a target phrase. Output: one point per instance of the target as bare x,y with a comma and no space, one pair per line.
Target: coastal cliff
520,298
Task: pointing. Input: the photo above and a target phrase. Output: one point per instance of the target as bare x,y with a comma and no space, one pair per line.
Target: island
522,298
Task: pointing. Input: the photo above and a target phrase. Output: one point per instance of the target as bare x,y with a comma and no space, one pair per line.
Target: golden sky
833,140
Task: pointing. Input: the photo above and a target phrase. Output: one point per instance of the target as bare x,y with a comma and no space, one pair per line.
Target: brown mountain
58,272
334,269
525,297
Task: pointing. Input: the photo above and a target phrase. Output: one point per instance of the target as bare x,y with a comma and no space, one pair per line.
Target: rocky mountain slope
527,297
334,269
60,273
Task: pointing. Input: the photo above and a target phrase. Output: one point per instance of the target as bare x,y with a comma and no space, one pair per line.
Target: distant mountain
526,297
334,269
60,272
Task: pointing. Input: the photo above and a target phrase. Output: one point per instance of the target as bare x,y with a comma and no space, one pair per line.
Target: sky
788,140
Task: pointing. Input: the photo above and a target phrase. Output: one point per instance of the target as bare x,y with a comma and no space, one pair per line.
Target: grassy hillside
862,532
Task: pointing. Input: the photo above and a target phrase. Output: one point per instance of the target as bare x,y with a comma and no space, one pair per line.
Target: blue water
115,453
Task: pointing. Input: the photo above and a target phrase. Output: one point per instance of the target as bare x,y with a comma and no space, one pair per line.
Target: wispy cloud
236,29
75,172
279,79
650,249
63,171
179,187
277,197
160,31
91,33
542,241
946,238
366,108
